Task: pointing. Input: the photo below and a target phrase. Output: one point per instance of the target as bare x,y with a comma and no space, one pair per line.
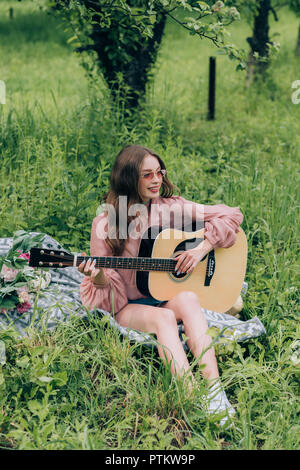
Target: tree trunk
137,73
258,43
140,52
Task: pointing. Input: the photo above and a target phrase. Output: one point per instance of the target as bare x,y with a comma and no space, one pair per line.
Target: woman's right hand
88,269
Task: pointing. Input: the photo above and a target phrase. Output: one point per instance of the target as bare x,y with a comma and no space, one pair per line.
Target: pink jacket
221,225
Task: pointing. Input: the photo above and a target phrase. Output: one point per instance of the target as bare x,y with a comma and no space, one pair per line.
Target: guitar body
227,269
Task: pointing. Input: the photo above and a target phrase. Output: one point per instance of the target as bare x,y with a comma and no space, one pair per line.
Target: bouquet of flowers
18,281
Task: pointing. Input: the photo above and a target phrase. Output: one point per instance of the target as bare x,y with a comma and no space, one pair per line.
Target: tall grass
81,386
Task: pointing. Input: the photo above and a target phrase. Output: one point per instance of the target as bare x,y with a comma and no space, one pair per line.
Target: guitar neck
138,264
42,257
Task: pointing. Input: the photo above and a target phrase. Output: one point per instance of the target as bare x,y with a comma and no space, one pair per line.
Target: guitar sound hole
179,276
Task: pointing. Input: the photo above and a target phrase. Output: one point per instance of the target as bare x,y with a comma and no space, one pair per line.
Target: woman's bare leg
187,308
161,322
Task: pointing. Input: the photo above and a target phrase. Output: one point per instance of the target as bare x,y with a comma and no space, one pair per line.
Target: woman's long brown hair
124,182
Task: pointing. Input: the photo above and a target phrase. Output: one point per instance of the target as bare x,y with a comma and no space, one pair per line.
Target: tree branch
274,13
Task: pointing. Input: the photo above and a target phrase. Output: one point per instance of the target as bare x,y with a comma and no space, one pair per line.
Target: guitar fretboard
139,264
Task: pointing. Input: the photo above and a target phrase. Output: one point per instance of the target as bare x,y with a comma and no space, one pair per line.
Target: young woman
139,180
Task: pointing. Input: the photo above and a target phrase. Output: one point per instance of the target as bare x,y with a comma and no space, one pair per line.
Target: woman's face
150,178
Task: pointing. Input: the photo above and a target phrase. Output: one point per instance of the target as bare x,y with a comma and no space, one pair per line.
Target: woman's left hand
187,260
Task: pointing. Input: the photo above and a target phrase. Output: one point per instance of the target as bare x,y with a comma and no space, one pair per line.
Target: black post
212,88
11,13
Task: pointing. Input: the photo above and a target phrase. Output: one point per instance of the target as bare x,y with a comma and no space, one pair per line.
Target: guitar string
143,263
167,264
157,264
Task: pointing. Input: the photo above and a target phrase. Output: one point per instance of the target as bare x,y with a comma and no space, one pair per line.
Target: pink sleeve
221,222
101,297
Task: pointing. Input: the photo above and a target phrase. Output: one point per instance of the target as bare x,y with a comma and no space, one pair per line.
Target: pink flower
24,256
21,308
3,310
8,274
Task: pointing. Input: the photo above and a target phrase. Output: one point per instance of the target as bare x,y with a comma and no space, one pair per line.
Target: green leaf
23,362
7,303
61,378
73,38
34,406
203,5
213,332
49,428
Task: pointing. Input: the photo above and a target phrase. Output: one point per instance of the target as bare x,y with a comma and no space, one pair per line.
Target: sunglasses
150,174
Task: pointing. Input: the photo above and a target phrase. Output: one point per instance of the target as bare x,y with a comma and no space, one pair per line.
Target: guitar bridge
210,268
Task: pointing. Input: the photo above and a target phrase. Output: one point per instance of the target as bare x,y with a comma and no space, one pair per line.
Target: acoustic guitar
217,279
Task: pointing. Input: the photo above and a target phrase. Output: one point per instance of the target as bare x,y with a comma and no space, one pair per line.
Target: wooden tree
259,42
124,36
262,48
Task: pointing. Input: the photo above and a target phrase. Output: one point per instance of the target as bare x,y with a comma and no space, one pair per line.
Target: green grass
59,134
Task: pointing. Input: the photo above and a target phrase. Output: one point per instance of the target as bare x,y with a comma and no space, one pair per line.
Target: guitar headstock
45,258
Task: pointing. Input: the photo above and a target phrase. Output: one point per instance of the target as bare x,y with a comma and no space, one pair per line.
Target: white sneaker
216,402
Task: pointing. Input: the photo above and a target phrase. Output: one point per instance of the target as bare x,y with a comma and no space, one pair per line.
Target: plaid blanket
61,300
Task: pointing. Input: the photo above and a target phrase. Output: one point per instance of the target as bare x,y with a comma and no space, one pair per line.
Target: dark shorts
148,301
